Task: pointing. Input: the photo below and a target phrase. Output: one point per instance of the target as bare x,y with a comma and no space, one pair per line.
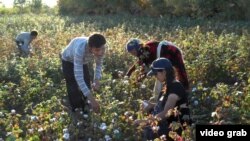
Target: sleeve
133,68
78,70
177,89
98,69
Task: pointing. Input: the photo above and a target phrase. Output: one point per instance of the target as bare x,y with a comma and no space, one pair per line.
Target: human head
133,45
96,43
163,70
33,34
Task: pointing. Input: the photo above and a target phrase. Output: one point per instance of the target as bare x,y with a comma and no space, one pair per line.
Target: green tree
36,6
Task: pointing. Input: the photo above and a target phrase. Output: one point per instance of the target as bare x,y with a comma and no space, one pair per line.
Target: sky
9,3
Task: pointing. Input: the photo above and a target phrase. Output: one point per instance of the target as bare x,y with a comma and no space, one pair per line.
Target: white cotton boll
85,116
126,113
145,104
155,128
213,114
103,126
194,89
125,82
143,86
120,72
40,129
1,114
52,120
79,123
107,138
9,133
66,136
116,131
196,102
205,89
13,111
33,118
131,118
81,112
239,93
163,137
31,130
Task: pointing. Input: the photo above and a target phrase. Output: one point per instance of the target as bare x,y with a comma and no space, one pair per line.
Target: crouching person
23,41
75,58
173,95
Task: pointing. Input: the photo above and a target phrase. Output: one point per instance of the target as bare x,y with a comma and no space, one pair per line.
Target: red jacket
148,53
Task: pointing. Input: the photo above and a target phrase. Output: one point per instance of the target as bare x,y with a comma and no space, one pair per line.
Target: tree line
226,9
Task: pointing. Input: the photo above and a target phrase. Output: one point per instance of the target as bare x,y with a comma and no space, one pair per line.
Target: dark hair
33,33
96,40
170,75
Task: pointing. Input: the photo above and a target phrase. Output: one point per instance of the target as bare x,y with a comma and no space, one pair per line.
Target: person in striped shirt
75,57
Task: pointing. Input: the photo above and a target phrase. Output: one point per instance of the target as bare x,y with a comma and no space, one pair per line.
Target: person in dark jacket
173,95
148,52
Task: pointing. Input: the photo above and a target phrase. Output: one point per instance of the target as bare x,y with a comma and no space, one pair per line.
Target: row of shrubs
223,9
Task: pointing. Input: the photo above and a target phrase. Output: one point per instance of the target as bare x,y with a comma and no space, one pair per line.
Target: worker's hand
139,122
96,85
94,104
147,106
141,77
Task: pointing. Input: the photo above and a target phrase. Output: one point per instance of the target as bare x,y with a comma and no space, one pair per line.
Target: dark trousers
76,97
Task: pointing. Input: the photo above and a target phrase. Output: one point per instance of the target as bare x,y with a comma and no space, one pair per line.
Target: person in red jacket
150,51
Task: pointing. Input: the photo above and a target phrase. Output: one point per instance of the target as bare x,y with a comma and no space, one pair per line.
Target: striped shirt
78,53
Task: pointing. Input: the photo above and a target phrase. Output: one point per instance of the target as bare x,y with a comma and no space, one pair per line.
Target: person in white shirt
23,41
75,58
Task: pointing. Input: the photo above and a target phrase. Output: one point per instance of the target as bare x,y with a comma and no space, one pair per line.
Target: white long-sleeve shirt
24,37
78,53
